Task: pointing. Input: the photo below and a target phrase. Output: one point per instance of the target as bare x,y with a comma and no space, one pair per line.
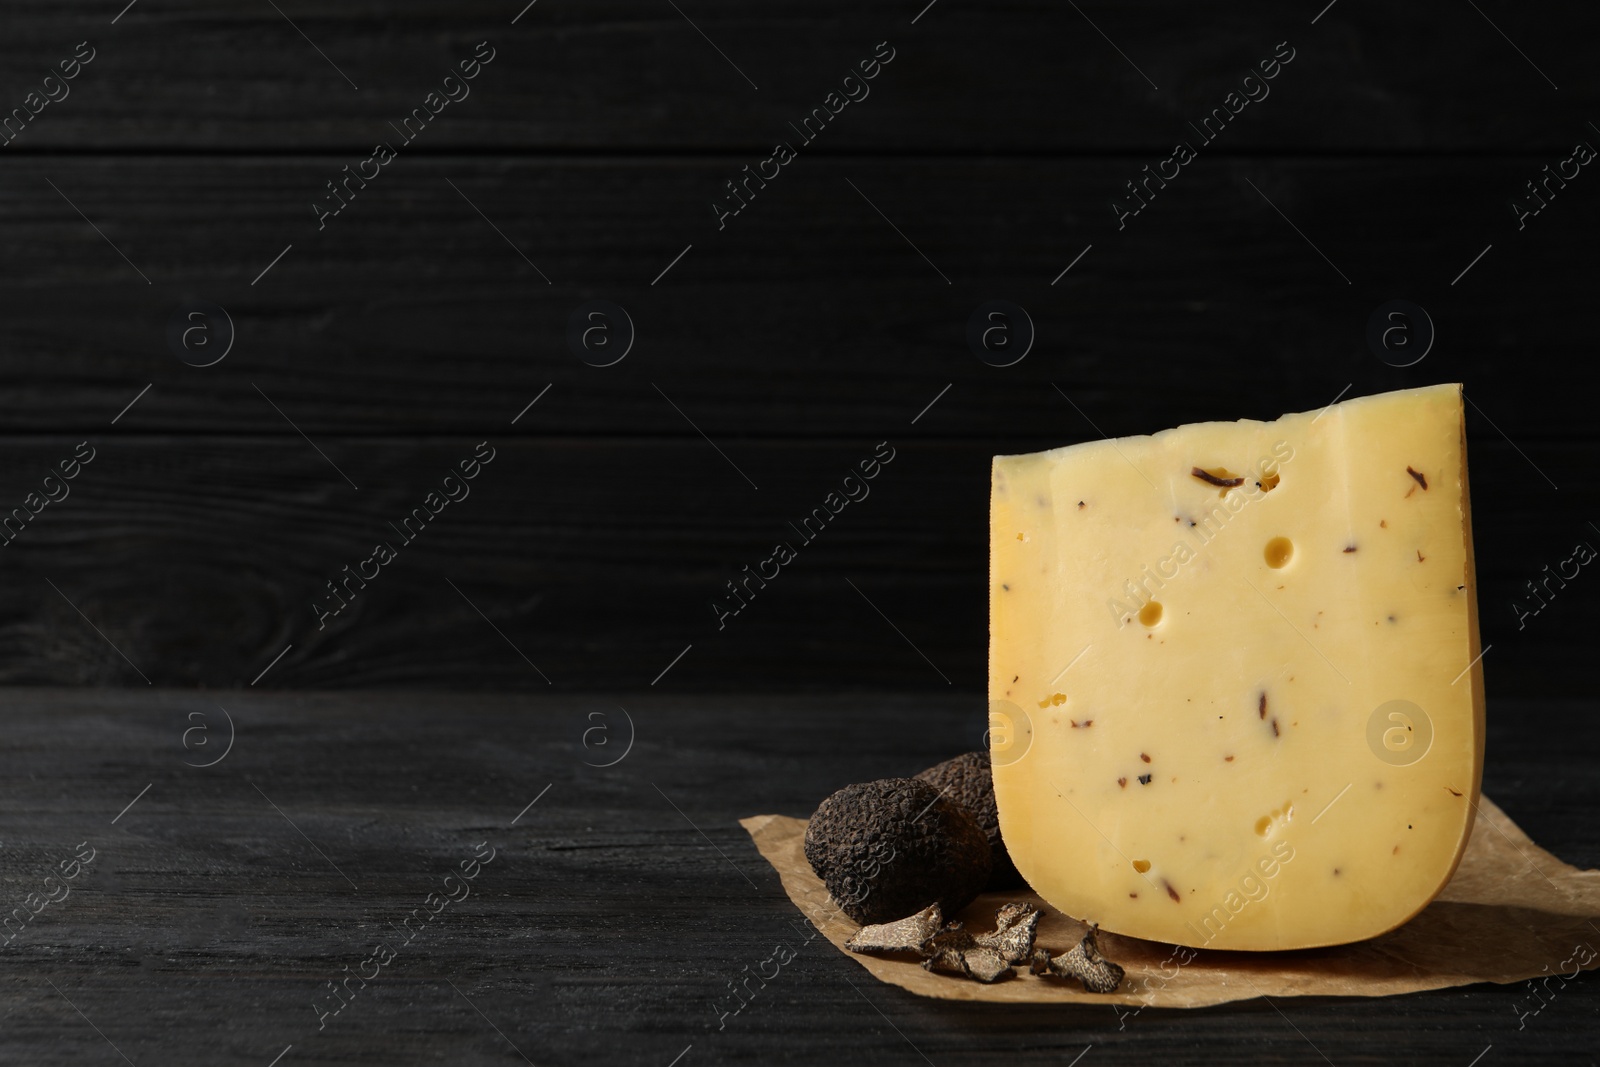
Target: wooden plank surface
807,316
617,907
1025,76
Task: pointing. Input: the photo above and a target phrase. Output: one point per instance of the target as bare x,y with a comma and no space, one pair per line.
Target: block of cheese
1235,692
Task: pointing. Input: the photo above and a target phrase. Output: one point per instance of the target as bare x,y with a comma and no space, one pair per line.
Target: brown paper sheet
1512,912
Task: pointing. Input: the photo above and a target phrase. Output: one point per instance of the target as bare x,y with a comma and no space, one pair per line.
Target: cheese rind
1236,697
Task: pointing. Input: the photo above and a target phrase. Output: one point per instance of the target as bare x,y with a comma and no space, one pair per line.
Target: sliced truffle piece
976,962
954,950
903,935
954,937
947,960
890,848
968,780
1083,962
1014,930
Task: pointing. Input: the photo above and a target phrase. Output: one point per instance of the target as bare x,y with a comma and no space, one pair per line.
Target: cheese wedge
1235,692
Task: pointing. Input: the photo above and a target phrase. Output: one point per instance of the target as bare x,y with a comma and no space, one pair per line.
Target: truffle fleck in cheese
1273,628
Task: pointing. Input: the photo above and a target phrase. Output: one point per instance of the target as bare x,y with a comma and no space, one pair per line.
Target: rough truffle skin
969,781
888,849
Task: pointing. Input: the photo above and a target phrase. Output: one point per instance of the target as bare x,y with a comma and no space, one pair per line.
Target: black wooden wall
774,349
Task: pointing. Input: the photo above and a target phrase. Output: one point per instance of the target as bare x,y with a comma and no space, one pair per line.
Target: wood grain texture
616,910
594,562
808,315
1025,76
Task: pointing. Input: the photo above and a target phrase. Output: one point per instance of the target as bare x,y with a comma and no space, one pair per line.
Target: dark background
774,353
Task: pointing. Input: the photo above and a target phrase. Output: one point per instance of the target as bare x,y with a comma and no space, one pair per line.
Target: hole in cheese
1272,820
1150,614
1278,552
1141,865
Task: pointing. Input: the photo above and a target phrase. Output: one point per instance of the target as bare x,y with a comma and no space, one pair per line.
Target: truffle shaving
902,935
1083,962
1014,931
977,962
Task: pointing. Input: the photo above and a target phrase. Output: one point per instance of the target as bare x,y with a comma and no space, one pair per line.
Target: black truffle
969,781
889,848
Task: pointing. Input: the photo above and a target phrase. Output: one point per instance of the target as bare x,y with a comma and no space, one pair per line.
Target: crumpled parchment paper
1512,912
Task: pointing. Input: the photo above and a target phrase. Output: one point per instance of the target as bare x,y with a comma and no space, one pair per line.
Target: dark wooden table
619,903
